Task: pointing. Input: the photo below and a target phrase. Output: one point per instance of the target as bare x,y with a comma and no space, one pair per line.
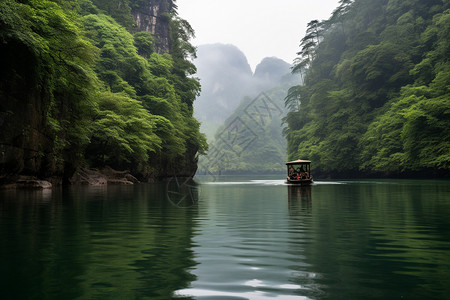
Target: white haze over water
260,28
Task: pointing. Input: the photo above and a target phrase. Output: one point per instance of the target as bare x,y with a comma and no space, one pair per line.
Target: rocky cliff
25,145
49,92
152,16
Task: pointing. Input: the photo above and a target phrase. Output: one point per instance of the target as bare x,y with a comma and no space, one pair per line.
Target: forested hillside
91,83
376,98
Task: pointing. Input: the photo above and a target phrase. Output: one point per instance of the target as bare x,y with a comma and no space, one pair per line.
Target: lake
228,238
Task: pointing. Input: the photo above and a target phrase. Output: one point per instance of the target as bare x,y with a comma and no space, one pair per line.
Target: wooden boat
299,172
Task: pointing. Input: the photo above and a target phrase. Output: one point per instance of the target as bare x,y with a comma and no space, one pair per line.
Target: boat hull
299,181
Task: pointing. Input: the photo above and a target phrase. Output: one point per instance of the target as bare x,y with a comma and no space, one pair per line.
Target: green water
229,238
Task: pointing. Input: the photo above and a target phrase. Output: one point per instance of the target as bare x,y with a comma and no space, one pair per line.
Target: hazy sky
260,28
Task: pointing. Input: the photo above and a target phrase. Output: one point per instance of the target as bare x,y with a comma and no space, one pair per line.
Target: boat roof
298,161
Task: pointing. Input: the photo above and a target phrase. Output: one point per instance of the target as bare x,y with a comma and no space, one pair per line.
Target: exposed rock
33,184
151,16
119,181
26,145
131,178
27,182
88,177
102,177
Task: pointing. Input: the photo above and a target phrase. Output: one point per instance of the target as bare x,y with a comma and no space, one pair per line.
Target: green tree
103,95
60,76
124,132
120,10
375,99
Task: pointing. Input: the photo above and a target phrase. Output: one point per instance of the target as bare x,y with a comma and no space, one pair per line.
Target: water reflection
94,243
245,246
182,192
299,198
375,240
255,239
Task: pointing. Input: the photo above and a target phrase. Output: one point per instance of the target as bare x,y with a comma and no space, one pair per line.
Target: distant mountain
250,141
242,112
226,78
269,72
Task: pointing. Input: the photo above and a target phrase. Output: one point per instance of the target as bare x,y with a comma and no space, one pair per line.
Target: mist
226,78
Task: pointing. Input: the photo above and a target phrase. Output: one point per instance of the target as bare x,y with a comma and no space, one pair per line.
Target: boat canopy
298,162
299,172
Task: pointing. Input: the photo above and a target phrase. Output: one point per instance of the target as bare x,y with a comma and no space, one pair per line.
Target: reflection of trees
182,192
374,241
299,198
301,221
119,242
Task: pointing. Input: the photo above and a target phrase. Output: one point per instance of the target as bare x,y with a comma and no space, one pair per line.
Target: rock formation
152,16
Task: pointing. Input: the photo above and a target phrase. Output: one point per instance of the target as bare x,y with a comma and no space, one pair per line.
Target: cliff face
151,16
49,104
25,145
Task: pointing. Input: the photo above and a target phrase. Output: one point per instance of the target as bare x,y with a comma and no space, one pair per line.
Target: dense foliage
376,96
107,98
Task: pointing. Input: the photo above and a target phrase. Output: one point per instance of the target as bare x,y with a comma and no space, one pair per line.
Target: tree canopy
107,97
376,98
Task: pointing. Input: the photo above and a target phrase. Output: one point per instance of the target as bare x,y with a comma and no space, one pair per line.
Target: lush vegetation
107,97
376,95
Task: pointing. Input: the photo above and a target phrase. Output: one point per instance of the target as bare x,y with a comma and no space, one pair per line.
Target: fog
260,28
225,30
234,38
226,78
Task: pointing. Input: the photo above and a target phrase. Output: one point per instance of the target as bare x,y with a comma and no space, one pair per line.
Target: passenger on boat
291,172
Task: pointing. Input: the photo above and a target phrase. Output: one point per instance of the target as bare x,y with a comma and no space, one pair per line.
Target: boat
299,172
